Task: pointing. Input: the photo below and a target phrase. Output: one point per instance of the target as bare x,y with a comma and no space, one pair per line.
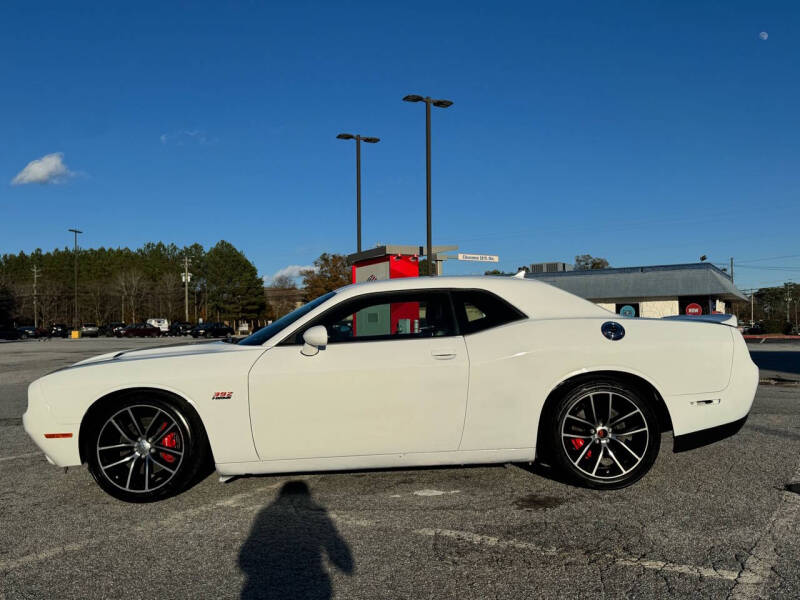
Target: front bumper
39,421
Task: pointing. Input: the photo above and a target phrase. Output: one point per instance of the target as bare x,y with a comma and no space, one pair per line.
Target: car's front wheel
604,434
145,448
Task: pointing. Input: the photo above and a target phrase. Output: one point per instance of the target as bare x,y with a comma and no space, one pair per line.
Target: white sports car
401,373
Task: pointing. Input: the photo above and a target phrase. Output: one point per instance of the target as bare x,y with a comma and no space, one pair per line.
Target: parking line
657,565
748,582
28,455
758,567
179,517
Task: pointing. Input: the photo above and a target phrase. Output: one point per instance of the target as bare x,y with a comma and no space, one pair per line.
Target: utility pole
788,300
186,287
731,269
75,319
35,311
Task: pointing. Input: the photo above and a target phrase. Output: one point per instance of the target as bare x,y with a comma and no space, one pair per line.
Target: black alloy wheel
146,448
604,434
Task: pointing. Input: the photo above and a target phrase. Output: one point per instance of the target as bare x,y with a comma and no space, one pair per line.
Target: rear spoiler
722,319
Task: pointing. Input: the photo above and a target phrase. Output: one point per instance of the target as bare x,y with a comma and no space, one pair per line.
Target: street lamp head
413,98
370,140
345,136
442,103
75,230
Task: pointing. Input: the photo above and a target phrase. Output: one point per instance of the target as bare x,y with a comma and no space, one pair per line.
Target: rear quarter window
478,310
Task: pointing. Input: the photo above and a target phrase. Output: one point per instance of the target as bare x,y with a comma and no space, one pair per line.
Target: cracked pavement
714,522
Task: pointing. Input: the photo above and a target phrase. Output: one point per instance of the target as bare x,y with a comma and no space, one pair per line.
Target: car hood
170,351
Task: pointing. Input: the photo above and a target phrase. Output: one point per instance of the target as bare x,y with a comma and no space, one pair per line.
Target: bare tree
283,282
170,286
129,283
587,262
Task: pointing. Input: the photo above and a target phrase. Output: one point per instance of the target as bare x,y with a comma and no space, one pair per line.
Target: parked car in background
755,329
177,328
162,324
58,330
211,330
90,330
7,332
112,328
31,331
139,330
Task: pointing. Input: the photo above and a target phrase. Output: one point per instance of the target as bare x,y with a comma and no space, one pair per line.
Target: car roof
534,298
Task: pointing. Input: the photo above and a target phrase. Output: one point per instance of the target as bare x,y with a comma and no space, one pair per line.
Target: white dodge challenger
401,373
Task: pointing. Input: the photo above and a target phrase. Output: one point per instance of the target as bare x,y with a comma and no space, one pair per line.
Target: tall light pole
438,104
358,139
75,319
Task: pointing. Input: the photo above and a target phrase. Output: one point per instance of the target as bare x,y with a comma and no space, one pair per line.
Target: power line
751,260
768,268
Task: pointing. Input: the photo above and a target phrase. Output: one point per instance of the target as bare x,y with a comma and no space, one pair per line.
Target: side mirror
314,338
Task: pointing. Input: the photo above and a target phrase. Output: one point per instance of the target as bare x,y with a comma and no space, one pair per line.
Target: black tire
154,449
603,434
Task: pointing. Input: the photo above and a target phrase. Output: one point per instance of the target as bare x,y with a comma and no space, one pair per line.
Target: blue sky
647,133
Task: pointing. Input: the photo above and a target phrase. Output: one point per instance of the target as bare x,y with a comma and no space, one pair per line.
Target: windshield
263,334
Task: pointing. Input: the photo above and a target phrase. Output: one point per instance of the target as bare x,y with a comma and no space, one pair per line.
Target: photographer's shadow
283,556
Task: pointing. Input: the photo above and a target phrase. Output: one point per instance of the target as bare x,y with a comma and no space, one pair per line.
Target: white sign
183,277
374,272
479,257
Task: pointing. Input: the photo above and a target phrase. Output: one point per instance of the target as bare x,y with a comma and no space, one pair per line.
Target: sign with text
478,257
694,309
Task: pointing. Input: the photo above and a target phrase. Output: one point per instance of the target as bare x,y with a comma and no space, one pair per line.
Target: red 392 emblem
222,396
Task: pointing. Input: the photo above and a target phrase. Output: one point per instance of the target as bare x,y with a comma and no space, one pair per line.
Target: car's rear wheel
145,448
604,434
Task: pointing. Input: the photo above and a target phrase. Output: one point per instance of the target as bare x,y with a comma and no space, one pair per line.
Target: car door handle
443,354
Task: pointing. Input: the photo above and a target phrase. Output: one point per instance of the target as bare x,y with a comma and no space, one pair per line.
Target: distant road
777,361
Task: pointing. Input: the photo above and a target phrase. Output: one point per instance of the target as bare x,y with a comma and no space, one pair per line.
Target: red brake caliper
169,441
578,443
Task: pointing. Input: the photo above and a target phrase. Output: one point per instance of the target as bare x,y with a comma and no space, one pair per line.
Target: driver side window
390,316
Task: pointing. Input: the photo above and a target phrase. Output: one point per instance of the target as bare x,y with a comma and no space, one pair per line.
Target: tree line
777,308
121,284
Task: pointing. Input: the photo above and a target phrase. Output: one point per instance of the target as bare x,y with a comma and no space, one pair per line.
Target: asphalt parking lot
715,522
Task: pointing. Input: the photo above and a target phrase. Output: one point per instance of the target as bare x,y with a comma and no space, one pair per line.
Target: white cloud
292,271
48,169
186,137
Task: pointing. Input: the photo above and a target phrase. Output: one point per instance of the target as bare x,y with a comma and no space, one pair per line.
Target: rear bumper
704,437
699,413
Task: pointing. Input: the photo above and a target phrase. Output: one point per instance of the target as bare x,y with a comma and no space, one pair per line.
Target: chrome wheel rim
140,448
605,435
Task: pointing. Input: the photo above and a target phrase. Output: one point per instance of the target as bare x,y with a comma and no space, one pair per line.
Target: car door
392,379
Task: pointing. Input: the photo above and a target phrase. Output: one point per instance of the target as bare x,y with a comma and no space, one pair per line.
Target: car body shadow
285,554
